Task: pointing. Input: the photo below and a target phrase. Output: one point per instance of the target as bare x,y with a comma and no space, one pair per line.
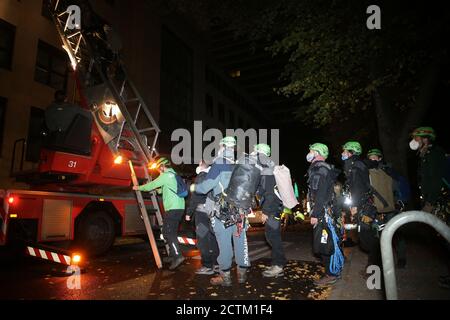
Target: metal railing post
387,254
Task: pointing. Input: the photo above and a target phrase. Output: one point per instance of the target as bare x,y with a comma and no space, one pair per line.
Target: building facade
166,59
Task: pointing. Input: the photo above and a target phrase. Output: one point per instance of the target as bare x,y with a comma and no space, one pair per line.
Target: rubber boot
222,279
242,274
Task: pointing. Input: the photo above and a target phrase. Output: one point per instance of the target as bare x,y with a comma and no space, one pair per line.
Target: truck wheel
96,233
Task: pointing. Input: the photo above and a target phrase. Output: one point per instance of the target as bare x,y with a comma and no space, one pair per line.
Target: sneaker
176,262
325,281
273,272
216,268
223,279
205,271
242,275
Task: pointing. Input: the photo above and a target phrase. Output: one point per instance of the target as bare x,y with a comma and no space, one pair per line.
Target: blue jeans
226,238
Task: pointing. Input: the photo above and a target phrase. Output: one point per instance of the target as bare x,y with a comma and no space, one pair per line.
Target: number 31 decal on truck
72,164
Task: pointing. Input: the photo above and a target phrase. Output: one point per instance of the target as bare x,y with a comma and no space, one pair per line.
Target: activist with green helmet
229,142
432,165
374,153
263,148
271,207
321,179
317,151
431,173
361,207
214,185
375,159
166,183
351,148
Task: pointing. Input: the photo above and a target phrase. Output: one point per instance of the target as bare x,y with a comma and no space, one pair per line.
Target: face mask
414,145
310,157
373,164
344,157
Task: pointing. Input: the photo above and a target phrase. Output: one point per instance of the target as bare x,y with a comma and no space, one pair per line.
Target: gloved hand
297,212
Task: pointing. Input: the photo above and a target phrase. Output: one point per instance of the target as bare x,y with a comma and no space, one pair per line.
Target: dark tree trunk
394,133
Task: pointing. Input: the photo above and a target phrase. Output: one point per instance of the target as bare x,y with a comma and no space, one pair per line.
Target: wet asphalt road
129,272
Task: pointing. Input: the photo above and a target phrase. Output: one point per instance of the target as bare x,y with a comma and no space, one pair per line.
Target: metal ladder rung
74,34
146,130
132,100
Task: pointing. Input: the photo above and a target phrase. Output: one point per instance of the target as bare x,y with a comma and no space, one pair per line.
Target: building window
7,35
209,105
221,112
3,102
51,66
45,11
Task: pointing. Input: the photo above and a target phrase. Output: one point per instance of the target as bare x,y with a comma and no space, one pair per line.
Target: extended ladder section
121,115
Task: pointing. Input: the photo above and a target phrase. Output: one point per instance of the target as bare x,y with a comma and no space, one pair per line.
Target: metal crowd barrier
387,254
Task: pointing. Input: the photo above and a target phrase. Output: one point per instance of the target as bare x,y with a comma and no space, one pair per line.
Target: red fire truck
86,152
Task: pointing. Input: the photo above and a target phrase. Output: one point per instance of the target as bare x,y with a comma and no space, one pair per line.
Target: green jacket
430,173
168,183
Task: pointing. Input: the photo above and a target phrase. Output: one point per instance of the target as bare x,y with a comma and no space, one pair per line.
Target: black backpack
244,182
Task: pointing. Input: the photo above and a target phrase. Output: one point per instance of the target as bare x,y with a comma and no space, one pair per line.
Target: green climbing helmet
263,148
321,148
228,141
424,132
162,161
353,146
374,152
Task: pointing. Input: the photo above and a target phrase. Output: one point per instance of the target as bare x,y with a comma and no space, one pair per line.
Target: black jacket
357,175
271,205
196,198
431,170
321,179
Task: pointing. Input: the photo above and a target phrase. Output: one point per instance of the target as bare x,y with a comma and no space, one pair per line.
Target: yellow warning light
13,215
76,258
118,160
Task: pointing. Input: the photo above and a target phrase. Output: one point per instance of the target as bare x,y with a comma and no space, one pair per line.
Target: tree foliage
335,63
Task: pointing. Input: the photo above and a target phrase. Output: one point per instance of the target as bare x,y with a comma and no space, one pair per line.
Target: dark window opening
7,35
45,11
3,102
51,66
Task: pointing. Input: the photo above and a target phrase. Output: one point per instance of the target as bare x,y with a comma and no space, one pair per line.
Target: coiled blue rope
337,259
